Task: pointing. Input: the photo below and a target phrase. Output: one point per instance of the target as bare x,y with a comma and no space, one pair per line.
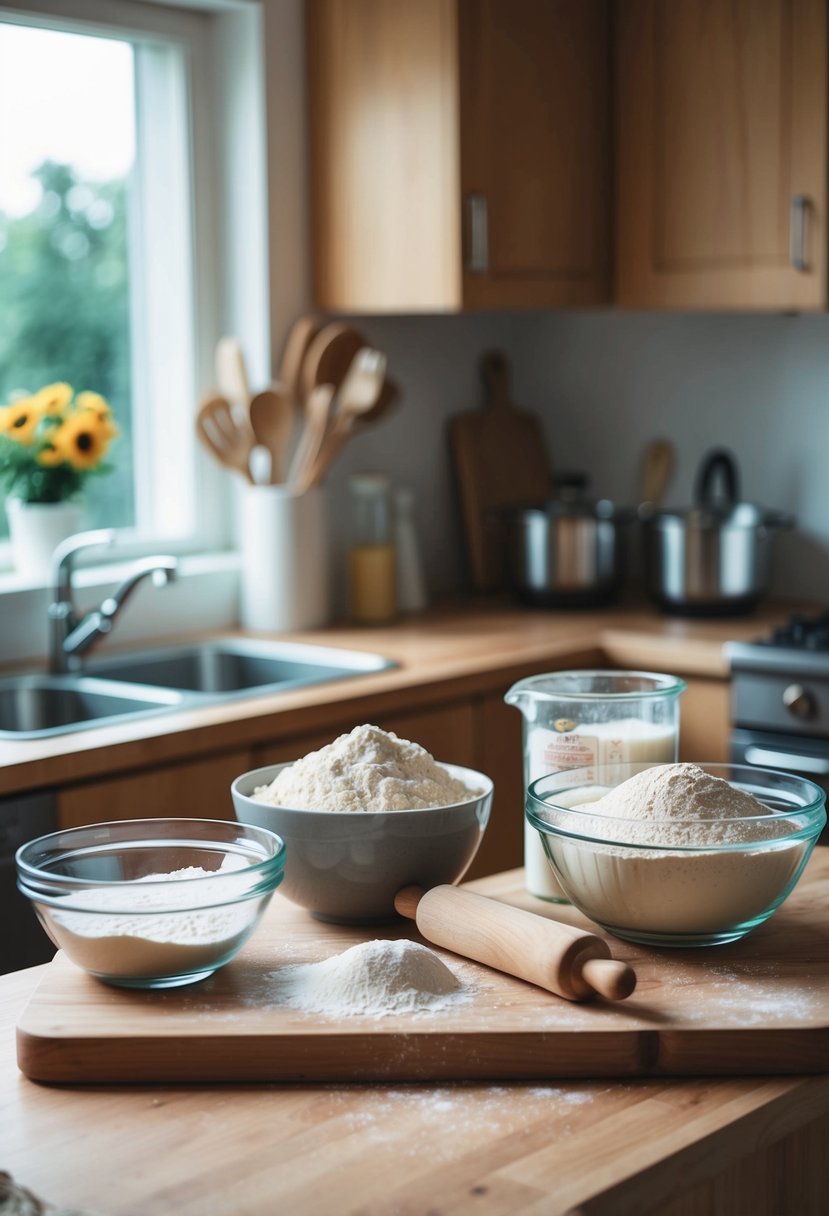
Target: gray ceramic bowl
347,866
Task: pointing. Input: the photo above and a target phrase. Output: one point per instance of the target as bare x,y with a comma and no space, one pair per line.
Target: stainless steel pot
712,559
568,553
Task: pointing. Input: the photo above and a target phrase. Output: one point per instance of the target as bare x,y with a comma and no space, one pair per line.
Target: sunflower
101,408
50,454
82,439
20,419
53,398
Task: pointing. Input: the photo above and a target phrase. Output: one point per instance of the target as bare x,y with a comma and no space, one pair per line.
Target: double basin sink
148,682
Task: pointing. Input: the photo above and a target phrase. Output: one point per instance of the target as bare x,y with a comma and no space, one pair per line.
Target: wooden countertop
472,647
599,1147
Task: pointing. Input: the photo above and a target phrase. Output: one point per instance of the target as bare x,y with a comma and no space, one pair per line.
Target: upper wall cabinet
459,153
721,129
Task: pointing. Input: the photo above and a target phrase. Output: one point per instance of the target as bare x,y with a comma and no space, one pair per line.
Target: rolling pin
571,962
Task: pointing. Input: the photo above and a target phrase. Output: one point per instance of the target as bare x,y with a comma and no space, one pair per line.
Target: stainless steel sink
34,707
224,667
174,677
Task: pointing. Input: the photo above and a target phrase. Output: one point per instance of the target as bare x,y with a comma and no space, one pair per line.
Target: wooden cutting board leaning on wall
499,460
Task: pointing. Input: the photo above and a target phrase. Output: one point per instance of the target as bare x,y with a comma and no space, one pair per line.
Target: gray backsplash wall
608,382
604,383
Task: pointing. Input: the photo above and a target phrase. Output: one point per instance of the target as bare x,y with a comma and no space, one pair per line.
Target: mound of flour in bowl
375,979
367,770
681,804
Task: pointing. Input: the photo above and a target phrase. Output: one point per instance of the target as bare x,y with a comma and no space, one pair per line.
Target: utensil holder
285,571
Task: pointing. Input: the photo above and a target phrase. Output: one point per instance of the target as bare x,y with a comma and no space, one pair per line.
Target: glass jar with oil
372,557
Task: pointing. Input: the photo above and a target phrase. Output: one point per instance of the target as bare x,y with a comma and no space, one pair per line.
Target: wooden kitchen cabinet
197,789
460,153
721,152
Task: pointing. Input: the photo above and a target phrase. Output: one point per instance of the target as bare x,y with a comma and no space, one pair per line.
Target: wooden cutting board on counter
757,1006
499,458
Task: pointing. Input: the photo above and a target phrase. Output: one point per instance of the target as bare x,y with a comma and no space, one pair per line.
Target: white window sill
203,596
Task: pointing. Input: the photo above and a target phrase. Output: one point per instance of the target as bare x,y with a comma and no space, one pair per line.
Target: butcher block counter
607,1145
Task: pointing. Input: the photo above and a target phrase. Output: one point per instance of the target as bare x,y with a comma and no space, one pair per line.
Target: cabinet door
721,153
198,789
535,151
417,105
383,127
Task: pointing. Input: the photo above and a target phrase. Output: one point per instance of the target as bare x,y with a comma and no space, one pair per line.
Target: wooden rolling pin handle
565,960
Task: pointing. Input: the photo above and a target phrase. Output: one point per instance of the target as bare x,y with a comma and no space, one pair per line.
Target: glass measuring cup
574,719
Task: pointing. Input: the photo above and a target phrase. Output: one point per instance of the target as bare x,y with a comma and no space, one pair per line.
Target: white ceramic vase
35,530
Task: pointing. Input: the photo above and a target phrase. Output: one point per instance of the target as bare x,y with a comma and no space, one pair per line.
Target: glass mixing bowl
683,880
152,903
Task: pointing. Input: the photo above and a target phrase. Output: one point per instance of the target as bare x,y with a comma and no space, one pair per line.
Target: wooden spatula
500,460
219,430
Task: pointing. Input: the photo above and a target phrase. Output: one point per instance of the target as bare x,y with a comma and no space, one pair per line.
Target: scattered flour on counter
367,770
373,979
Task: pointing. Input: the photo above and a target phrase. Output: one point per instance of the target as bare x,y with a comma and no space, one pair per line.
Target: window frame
198,33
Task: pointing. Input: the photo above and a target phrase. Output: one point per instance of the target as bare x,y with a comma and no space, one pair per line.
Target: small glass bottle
372,557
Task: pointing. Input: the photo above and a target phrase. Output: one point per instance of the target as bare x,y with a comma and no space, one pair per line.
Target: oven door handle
765,757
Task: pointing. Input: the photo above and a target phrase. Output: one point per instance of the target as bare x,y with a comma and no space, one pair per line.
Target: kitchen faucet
69,637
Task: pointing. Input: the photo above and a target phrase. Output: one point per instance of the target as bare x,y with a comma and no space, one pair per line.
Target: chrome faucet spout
71,637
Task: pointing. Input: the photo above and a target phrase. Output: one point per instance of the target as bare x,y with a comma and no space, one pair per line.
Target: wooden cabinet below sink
198,789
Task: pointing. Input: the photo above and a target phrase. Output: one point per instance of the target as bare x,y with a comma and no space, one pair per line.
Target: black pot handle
720,460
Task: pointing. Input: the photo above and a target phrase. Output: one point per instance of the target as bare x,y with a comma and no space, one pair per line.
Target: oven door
805,757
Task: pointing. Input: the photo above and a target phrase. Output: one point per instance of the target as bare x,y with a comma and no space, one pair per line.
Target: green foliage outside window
64,311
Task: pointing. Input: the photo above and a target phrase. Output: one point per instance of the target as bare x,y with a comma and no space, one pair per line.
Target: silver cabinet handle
798,234
477,234
764,757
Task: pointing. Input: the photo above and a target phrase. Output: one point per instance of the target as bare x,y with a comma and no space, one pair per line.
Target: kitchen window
110,262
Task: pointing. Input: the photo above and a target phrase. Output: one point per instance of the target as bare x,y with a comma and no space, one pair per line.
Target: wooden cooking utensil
358,394
658,466
300,336
232,378
500,460
571,962
329,355
317,417
272,417
219,430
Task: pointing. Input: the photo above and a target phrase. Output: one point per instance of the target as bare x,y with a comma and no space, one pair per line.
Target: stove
780,698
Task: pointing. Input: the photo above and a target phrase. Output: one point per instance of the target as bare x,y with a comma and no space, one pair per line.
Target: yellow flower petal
53,398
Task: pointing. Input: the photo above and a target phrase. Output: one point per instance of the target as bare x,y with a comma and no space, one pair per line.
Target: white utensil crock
284,544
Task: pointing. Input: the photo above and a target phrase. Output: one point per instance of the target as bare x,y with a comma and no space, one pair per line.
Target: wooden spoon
658,467
329,356
272,418
219,430
301,334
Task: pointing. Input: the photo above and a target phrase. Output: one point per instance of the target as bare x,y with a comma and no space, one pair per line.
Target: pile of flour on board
372,979
367,770
147,930
682,804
